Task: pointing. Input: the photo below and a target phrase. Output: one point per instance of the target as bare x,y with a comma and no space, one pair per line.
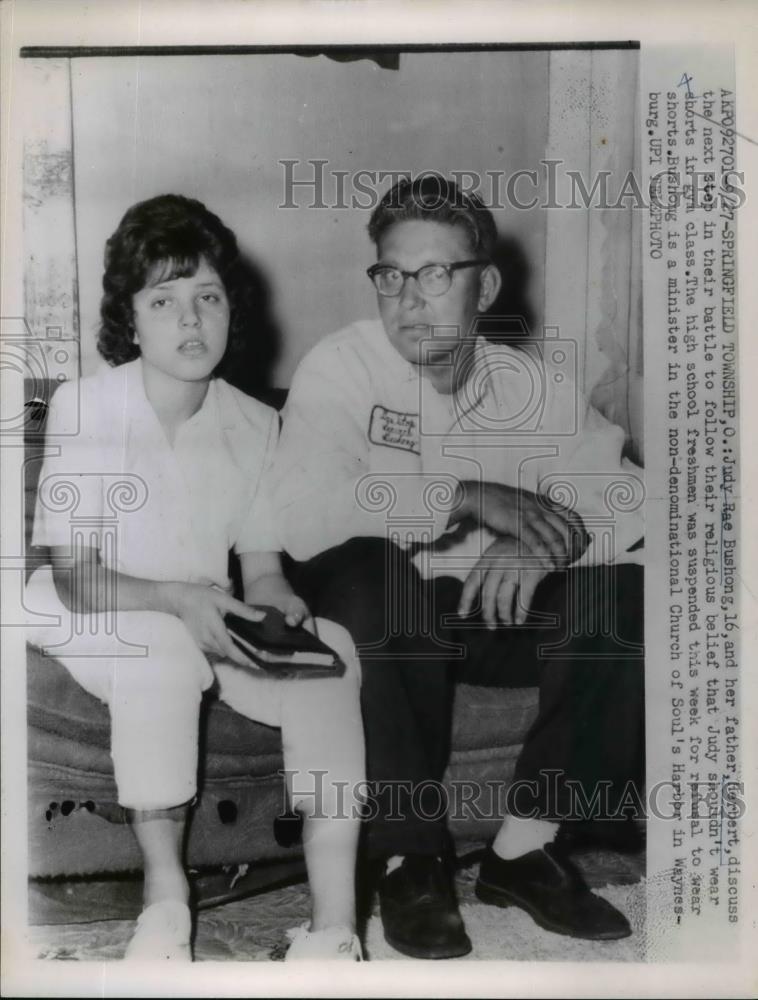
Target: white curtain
593,284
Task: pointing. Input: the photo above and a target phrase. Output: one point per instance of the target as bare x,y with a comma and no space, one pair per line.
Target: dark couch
76,827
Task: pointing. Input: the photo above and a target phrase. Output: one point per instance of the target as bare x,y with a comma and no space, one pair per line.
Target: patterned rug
254,929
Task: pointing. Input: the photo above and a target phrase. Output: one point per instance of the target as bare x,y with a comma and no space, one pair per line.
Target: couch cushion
484,719
74,827
488,718
72,794
58,707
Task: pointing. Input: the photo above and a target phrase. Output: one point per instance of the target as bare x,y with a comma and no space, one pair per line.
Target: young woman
172,455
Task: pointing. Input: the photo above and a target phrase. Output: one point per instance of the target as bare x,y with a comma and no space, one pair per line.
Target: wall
215,127
593,284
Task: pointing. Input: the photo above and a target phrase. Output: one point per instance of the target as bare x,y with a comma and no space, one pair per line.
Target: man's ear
490,282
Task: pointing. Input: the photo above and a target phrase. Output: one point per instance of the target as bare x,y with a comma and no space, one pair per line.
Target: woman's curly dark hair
175,233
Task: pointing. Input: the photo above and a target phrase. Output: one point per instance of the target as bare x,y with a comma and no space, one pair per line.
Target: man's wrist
464,501
579,539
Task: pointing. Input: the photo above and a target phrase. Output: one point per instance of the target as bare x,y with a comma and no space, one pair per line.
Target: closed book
280,650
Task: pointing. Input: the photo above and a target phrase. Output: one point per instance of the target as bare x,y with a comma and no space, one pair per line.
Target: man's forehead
422,236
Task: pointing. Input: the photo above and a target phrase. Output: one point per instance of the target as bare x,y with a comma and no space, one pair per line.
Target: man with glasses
413,485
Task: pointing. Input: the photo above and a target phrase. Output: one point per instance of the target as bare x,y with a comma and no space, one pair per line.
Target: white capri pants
154,701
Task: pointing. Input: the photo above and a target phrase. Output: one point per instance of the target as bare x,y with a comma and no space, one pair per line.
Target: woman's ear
489,287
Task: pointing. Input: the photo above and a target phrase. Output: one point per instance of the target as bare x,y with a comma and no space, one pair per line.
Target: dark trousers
582,644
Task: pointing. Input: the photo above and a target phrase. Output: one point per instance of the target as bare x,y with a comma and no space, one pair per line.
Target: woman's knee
164,631
339,639
171,657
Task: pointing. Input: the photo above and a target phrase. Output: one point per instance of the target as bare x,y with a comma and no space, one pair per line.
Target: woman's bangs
171,268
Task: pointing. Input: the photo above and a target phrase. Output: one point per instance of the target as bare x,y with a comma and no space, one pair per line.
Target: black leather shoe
419,910
553,893
625,836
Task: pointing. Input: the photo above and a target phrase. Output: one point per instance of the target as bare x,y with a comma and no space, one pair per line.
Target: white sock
519,836
395,861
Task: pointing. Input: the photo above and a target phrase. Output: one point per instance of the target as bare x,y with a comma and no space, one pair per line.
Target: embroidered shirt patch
394,429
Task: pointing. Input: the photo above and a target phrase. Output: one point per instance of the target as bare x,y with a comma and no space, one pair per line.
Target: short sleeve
608,490
70,483
325,486
258,530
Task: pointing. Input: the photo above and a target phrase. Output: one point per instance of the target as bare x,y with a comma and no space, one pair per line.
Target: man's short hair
433,198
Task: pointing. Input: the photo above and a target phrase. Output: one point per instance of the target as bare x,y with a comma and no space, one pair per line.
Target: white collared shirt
370,448
153,510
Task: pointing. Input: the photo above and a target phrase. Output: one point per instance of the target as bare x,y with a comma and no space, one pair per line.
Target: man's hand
202,610
552,533
507,589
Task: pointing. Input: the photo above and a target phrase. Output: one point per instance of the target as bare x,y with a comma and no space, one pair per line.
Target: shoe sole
495,896
430,953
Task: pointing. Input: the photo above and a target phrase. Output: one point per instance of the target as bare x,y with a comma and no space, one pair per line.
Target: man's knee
602,605
361,551
361,584
607,584
362,562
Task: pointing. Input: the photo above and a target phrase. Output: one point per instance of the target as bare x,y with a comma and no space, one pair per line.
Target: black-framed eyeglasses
432,279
